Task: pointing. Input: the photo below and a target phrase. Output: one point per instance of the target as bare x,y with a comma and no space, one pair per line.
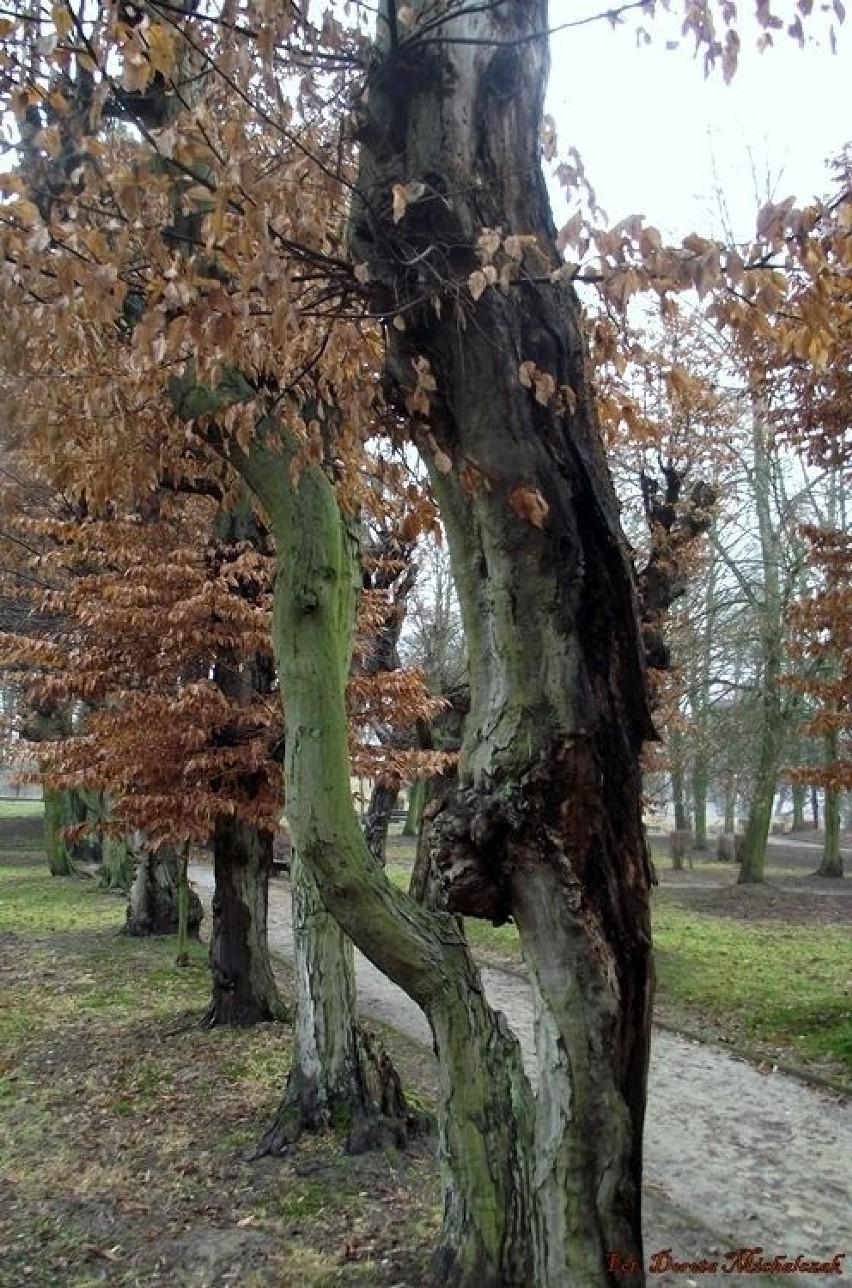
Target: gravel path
735,1158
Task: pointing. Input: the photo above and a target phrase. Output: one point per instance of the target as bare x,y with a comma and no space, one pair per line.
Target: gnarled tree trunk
545,824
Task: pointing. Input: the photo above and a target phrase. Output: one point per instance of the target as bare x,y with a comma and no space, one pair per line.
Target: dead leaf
530,505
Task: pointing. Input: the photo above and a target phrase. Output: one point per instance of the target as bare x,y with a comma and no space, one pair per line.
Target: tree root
373,1109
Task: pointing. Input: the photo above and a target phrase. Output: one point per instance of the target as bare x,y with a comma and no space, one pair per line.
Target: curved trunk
244,989
545,824
485,1099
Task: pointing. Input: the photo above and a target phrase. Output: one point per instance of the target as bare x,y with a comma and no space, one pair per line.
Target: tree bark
153,906
545,824
679,799
60,812
832,855
382,802
116,864
485,1099
774,714
244,988
700,786
416,800
800,794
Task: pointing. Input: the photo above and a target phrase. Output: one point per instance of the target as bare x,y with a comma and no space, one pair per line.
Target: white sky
648,125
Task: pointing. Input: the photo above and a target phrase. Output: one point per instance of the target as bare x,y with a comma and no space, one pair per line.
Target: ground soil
792,891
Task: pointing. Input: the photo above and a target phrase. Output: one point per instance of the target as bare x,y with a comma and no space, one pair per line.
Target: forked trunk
244,989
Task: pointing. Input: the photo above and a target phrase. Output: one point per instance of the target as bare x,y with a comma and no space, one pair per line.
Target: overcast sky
648,126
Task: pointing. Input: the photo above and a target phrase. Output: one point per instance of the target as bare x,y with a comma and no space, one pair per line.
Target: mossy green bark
484,1096
60,812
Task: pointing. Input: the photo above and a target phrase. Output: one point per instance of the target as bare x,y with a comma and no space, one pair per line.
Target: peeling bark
338,1077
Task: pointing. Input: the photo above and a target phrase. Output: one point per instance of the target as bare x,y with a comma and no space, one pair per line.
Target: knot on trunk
459,865
473,840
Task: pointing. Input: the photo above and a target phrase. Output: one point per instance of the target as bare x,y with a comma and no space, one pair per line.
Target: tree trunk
774,716
116,864
832,857
60,812
153,907
545,824
416,801
679,799
700,785
324,1085
815,807
753,857
382,802
730,807
182,958
244,988
800,794
485,1099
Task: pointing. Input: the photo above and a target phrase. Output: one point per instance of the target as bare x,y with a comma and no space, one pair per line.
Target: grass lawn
781,989
127,1131
16,808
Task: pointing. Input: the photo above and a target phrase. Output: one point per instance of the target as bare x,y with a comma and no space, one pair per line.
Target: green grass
127,1130
34,902
784,988
21,809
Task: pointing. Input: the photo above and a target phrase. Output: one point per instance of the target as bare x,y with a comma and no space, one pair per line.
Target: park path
748,1158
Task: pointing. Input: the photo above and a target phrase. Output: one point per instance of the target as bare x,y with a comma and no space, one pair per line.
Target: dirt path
734,1159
